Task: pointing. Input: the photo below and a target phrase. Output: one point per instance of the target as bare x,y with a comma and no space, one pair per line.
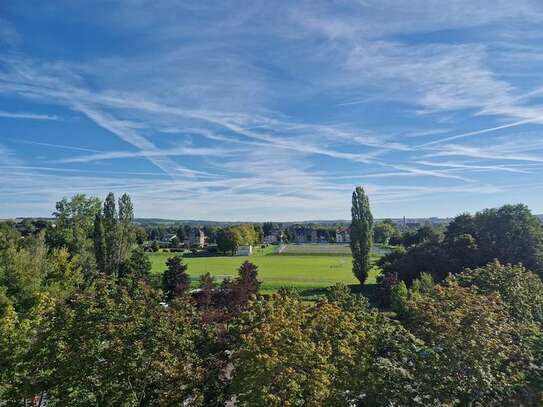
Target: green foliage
522,294
114,234
308,349
258,234
30,271
73,226
520,290
175,280
330,354
125,229
9,235
31,280
510,234
399,296
109,221
423,285
140,235
474,356
137,265
211,233
383,231
17,333
99,243
428,257
63,274
116,345
361,234
341,295
73,229
230,238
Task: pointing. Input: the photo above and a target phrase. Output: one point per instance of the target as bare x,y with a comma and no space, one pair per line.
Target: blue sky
262,110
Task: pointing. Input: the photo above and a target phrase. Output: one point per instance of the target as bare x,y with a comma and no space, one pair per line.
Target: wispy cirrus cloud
25,115
504,151
478,132
172,152
197,117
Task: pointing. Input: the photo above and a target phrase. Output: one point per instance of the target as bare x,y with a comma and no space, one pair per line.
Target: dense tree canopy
520,290
510,234
116,345
474,354
338,352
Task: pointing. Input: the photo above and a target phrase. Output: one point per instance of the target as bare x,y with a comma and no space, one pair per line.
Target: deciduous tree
137,265
117,345
125,228
109,221
474,354
99,244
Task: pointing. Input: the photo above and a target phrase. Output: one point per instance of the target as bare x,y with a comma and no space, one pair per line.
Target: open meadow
305,267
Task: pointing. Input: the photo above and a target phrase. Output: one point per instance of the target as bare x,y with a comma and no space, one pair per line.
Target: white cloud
282,108
29,116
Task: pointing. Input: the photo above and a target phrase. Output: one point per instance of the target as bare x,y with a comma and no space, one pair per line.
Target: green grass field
306,272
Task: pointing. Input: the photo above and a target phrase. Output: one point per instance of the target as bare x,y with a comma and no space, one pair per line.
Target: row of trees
113,234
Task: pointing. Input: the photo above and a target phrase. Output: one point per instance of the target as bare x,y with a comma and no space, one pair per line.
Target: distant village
197,237
203,237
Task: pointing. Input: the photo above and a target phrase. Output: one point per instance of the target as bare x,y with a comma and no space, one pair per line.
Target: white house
343,235
245,250
196,237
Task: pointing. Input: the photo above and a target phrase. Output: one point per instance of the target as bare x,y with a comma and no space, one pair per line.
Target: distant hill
162,221
323,222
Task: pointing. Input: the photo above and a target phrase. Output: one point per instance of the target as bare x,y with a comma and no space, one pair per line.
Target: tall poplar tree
361,234
99,243
109,222
125,228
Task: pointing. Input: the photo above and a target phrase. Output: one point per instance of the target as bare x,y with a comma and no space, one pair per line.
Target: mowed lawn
302,271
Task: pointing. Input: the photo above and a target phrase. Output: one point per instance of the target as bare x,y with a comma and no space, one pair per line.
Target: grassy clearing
316,249
308,273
